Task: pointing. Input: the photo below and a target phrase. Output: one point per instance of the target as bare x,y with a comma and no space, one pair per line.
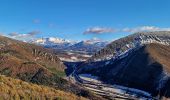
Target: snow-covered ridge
138,41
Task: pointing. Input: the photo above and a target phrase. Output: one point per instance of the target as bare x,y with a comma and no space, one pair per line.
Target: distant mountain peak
59,43
51,40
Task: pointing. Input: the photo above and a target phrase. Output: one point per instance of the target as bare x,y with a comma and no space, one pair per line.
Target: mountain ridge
145,54
123,44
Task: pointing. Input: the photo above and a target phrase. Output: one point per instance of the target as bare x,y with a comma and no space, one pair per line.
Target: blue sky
82,19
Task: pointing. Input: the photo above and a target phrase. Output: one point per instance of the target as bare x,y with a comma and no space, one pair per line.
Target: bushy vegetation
14,89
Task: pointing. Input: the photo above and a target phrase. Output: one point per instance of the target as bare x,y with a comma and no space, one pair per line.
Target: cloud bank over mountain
102,30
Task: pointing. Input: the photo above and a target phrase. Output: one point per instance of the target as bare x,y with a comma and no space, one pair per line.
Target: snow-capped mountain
91,45
70,50
53,42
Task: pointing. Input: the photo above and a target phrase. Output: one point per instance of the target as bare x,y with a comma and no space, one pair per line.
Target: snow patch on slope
138,41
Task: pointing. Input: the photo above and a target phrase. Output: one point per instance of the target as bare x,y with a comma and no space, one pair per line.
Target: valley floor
112,92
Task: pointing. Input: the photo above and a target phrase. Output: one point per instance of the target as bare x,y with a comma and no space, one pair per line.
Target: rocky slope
35,64
18,59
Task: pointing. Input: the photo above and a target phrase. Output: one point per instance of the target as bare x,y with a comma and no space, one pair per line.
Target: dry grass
14,89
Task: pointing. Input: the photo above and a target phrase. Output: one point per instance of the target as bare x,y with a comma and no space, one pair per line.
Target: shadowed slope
146,68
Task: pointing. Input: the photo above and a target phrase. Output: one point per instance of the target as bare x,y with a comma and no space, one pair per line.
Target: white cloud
20,36
144,29
99,30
